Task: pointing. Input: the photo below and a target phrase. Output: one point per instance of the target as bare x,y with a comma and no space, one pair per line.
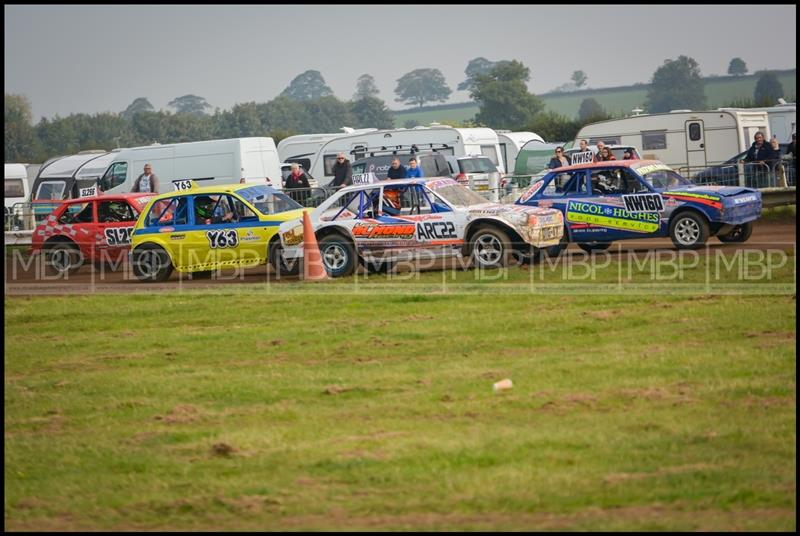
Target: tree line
307,105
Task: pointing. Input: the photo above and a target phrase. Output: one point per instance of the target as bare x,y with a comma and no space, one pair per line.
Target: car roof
110,197
608,163
220,188
398,182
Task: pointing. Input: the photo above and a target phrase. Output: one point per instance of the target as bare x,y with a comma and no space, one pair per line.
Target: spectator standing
791,150
760,151
413,171
627,155
396,171
146,182
559,159
607,155
342,172
298,180
777,163
599,156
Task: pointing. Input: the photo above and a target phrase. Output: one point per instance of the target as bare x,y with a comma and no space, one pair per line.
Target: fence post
740,166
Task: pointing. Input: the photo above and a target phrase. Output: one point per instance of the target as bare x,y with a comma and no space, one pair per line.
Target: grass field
307,407
618,101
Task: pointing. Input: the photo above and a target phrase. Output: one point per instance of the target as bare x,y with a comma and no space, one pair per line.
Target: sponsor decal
584,157
182,185
438,230
118,236
704,199
177,236
370,230
249,236
745,199
88,192
166,229
613,217
530,192
222,238
294,236
643,203
652,167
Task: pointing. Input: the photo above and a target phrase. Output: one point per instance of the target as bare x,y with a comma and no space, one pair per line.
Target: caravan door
695,144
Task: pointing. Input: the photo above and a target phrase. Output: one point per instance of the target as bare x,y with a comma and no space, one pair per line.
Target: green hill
720,91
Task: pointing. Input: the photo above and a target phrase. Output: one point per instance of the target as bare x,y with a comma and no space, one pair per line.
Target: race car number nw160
118,236
222,238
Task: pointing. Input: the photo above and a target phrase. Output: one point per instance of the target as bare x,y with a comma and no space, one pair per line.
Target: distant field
288,409
719,92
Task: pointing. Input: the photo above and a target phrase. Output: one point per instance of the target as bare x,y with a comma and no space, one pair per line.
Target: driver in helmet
208,211
391,201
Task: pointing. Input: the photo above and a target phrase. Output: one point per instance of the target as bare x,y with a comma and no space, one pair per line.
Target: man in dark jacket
760,151
396,170
342,172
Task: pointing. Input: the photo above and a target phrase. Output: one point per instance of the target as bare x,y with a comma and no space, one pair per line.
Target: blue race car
623,199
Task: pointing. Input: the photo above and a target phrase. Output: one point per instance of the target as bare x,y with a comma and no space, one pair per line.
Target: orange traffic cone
313,268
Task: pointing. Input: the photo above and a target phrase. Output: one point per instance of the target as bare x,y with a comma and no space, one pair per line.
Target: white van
511,143
682,138
782,119
207,162
443,139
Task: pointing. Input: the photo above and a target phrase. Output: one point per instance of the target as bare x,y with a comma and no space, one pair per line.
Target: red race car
94,228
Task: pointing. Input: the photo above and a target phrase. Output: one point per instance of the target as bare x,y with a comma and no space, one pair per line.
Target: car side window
114,211
567,183
241,211
115,176
606,182
77,213
170,211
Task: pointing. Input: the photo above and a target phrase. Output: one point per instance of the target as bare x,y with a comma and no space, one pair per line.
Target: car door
115,221
439,230
624,205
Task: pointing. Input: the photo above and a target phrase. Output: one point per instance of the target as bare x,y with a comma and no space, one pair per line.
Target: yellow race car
200,229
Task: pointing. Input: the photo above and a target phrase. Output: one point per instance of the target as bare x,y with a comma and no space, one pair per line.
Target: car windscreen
665,178
476,165
267,200
460,196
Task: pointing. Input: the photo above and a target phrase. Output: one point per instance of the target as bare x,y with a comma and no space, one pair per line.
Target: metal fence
778,174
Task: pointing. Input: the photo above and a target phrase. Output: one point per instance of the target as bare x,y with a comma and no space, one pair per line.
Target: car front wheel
338,255
278,263
151,264
688,231
490,248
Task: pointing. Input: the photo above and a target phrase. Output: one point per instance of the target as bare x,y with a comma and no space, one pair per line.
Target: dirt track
23,278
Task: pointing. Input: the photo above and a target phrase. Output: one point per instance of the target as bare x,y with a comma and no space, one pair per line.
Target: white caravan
207,162
682,138
511,143
301,148
445,140
782,119
17,189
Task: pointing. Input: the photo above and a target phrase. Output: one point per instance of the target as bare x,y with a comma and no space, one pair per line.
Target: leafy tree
475,67
371,112
768,89
328,114
421,86
365,87
307,86
591,111
189,104
552,126
579,77
138,105
737,67
20,140
504,98
283,113
410,123
676,84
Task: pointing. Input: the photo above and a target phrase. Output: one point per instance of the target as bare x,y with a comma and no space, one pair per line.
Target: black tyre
555,251
740,233
63,258
151,264
588,247
278,263
490,248
338,255
688,230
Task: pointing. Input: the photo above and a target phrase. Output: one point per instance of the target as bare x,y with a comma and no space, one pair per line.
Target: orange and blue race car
96,228
623,199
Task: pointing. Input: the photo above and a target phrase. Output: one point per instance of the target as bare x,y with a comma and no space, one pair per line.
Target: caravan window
695,133
115,176
328,161
654,140
51,190
14,188
490,151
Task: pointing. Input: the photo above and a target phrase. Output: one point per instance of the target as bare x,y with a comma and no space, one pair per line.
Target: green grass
308,406
617,101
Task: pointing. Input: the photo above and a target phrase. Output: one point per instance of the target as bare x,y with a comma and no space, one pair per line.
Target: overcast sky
70,59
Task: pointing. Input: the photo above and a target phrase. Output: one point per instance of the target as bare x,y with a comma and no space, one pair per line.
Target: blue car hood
722,191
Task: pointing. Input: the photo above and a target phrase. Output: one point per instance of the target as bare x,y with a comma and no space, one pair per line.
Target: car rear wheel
740,233
338,255
278,263
151,263
490,248
63,258
688,231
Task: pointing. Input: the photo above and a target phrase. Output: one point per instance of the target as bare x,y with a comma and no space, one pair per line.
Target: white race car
384,222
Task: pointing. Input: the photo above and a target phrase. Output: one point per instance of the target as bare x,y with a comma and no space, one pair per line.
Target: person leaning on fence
559,159
298,180
413,171
791,150
146,182
396,170
598,157
342,172
777,163
760,153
